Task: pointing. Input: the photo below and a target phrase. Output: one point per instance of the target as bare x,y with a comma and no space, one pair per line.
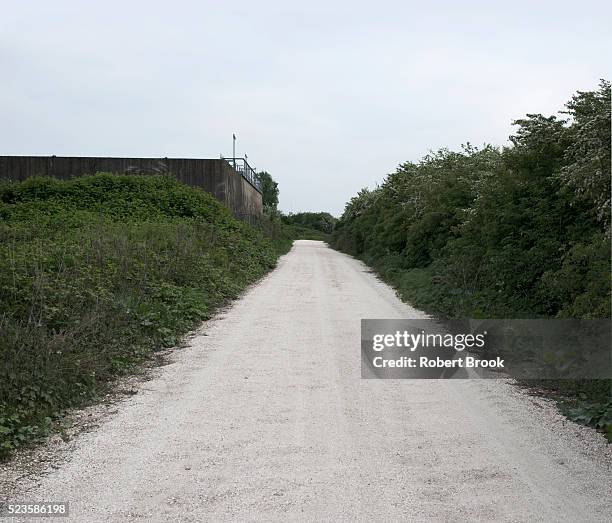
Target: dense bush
97,272
518,232
318,221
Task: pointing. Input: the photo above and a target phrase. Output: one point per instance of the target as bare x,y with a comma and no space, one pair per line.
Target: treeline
517,232
310,225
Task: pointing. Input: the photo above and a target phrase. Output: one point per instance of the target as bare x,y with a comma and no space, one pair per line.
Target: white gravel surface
264,417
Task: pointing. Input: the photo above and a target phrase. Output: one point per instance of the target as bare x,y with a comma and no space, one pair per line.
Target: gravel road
263,416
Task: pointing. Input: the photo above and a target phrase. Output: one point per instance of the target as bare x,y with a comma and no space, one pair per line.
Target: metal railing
242,167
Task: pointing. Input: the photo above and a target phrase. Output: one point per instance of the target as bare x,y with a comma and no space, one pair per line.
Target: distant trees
305,225
320,221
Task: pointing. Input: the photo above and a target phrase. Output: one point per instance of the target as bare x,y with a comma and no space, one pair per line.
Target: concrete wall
214,176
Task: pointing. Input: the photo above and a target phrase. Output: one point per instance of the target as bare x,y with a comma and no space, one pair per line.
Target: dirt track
264,416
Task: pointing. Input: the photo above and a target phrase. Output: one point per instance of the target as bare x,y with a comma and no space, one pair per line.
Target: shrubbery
97,272
310,225
518,232
319,221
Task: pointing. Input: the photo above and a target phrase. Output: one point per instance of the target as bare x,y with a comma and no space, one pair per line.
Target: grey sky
327,96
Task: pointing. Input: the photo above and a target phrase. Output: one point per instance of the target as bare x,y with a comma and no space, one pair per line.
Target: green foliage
97,272
519,232
285,230
269,190
587,168
587,402
297,232
319,221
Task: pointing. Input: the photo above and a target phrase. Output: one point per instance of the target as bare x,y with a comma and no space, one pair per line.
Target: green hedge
517,232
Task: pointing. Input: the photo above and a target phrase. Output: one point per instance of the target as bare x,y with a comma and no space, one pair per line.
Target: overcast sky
328,96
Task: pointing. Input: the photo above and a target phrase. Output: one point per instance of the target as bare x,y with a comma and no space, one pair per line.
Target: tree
588,168
269,189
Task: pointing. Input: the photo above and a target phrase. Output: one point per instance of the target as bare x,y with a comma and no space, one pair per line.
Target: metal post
234,151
